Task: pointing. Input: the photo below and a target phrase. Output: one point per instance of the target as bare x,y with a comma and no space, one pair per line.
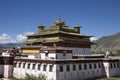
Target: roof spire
41,24
59,18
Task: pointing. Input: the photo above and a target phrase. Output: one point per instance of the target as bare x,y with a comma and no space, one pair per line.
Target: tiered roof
58,32
58,27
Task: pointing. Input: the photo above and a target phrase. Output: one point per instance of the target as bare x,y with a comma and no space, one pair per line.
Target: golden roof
58,27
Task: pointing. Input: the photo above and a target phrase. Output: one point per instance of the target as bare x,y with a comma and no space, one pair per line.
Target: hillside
111,43
9,45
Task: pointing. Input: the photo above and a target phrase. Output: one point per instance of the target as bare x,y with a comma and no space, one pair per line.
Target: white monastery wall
106,67
36,69
8,71
75,71
114,69
65,69
80,72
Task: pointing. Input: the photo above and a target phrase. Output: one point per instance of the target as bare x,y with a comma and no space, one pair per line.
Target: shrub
33,77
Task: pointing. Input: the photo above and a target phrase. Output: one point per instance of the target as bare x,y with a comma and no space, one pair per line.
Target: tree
33,77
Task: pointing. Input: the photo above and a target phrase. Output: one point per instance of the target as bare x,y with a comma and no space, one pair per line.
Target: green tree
33,77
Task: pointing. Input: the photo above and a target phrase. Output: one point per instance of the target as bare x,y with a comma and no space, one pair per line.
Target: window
99,65
50,68
33,67
90,66
85,66
44,67
111,66
19,65
68,67
39,66
24,65
118,65
64,54
94,65
28,67
114,65
74,67
61,68
46,54
80,67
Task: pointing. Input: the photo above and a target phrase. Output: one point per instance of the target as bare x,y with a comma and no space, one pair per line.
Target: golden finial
59,20
77,25
41,25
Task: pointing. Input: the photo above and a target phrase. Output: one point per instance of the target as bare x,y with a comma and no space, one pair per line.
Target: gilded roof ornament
59,20
41,25
77,25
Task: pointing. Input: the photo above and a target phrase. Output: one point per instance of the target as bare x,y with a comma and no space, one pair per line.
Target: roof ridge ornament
59,20
41,24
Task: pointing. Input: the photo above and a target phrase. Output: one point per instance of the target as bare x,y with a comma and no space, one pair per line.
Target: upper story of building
59,37
59,34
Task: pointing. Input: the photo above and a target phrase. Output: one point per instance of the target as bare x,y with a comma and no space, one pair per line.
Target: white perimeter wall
112,71
98,69
8,71
20,72
79,74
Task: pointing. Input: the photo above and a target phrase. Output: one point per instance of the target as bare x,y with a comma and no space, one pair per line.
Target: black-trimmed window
90,66
64,53
19,65
80,66
61,68
114,65
111,66
44,67
33,67
85,66
95,65
68,67
74,67
50,68
24,65
99,65
46,54
28,67
39,66
118,65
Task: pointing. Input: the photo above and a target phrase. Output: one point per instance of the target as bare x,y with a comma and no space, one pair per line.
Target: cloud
5,38
93,39
23,37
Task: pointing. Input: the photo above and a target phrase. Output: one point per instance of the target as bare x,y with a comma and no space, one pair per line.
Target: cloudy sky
20,17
